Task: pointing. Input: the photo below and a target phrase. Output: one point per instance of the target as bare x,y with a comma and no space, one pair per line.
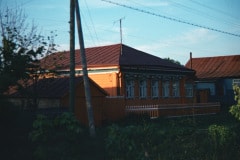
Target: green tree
173,61
235,109
21,47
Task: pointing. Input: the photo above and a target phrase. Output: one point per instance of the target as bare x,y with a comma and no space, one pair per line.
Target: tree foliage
173,61
21,47
235,109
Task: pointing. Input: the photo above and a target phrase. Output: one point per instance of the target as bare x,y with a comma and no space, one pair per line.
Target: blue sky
153,34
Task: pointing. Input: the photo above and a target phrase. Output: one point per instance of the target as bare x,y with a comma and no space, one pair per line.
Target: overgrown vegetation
212,137
183,138
235,109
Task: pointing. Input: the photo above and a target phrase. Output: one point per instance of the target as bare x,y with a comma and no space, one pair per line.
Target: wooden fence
174,109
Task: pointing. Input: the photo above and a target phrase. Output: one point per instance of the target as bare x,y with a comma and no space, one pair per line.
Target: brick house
123,80
122,71
217,75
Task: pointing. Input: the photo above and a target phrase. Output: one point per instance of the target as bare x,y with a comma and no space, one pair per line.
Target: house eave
156,69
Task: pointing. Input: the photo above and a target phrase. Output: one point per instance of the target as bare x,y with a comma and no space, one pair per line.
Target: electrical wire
203,14
170,18
212,8
90,16
88,28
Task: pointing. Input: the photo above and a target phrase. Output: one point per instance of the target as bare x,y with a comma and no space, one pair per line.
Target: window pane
165,89
189,90
130,89
236,82
143,88
154,88
175,89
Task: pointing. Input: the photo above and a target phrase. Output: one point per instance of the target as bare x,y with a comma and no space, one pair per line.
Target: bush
235,109
57,138
222,142
180,139
131,142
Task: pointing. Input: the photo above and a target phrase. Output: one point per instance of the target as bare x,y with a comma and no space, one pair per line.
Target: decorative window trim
130,89
175,88
143,88
236,82
166,89
188,90
154,89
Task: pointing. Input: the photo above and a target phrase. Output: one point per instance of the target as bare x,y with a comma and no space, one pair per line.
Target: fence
174,109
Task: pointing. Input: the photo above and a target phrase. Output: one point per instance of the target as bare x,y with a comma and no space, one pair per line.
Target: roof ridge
234,55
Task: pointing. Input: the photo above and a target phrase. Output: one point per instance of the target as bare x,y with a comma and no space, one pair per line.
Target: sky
164,28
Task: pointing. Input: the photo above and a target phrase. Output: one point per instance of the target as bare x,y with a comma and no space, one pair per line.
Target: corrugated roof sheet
216,67
49,88
111,55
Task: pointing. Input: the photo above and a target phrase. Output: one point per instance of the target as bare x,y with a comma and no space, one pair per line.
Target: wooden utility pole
72,57
85,74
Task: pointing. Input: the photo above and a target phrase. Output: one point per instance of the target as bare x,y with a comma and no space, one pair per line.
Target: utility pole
85,74
72,57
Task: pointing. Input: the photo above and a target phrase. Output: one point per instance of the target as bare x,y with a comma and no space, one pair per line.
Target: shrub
131,142
221,141
235,109
57,138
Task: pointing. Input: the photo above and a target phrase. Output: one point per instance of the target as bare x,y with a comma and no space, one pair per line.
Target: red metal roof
111,55
51,88
96,56
216,67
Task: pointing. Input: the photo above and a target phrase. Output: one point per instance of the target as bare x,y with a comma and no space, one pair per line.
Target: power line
206,15
89,14
170,18
87,27
215,9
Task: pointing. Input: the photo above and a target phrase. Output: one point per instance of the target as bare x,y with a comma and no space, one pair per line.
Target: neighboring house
138,77
217,75
54,93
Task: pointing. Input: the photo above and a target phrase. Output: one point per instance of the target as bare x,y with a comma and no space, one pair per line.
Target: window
189,90
236,82
130,89
155,89
165,88
142,88
175,89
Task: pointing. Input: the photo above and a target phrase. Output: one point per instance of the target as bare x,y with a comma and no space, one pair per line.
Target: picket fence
173,110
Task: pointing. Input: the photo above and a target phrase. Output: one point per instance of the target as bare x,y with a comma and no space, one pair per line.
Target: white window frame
175,89
129,88
189,90
154,89
236,82
142,88
165,89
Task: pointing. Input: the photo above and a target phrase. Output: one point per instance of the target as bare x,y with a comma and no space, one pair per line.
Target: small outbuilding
54,93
